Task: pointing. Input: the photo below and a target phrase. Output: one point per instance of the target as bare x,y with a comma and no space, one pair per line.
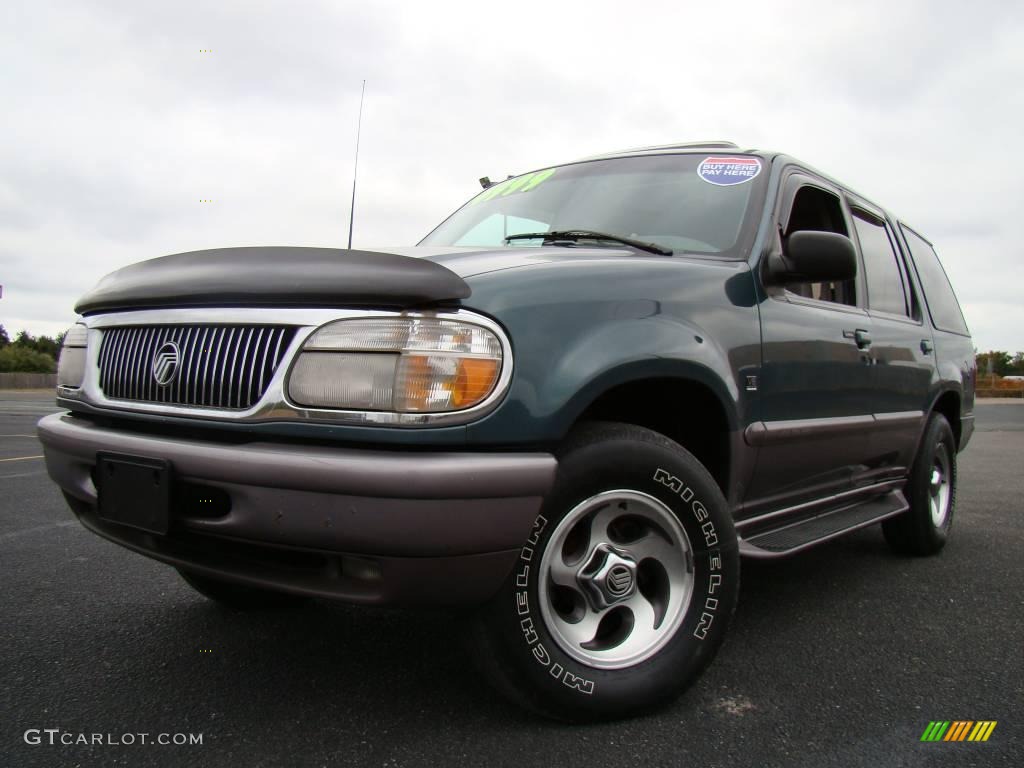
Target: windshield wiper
585,234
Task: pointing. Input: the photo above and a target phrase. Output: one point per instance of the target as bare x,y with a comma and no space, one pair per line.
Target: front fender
568,353
573,341
660,348
543,407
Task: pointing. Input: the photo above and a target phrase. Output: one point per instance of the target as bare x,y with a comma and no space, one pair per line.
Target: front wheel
623,592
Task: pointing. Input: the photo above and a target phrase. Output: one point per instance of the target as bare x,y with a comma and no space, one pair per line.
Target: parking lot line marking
17,435
21,458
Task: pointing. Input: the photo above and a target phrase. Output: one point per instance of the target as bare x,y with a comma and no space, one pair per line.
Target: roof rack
717,144
662,147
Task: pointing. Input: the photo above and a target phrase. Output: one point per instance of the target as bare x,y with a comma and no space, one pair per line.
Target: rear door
901,346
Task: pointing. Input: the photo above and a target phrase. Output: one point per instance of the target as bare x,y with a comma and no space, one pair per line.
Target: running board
798,536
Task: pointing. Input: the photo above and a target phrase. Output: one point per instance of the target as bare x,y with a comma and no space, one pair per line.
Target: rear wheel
622,594
239,596
931,491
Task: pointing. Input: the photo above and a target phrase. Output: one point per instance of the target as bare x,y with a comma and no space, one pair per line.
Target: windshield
688,203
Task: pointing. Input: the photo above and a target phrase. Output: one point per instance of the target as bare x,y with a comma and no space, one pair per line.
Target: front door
815,387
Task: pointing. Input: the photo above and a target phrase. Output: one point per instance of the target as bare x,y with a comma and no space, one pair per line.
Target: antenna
355,170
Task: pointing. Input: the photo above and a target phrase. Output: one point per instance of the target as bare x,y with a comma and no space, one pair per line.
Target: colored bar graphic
982,730
959,730
935,730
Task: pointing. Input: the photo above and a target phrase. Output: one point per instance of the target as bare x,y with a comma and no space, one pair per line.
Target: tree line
1000,363
28,353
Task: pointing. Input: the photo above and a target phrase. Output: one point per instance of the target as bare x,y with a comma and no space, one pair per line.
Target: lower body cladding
355,525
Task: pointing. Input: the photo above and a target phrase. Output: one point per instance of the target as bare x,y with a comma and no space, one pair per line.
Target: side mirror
815,257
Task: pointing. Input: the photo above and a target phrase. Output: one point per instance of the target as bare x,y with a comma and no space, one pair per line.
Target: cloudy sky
116,123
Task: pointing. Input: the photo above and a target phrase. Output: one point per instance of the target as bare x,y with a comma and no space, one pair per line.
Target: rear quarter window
938,293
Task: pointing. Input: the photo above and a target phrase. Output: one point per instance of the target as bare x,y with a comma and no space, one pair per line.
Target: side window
881,265
938,293
820,211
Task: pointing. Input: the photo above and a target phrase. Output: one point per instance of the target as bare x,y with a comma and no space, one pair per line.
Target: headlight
71,367
402,365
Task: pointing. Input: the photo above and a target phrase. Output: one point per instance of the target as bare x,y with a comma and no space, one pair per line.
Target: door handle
926,346
861,337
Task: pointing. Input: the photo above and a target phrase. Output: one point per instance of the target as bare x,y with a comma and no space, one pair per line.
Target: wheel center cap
608,576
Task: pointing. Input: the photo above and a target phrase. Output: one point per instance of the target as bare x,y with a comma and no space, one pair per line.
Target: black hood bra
275,276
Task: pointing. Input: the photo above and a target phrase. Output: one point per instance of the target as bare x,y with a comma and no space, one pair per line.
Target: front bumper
368,526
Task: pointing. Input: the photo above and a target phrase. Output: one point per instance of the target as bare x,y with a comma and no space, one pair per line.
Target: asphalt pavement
840,656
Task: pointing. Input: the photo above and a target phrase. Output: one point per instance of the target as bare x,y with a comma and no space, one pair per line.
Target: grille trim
255,352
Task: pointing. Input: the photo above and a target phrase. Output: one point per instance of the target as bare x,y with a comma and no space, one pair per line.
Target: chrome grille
218,366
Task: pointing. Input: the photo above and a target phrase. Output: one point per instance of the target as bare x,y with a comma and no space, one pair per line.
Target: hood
468,261
276,276
294,276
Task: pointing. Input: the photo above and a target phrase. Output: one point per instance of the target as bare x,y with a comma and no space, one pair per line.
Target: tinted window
661,199
882,270
938,293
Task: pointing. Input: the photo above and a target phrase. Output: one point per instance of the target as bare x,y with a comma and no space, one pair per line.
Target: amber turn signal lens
438,383
474,381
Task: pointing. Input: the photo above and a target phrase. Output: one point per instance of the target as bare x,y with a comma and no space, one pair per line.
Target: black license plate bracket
134,491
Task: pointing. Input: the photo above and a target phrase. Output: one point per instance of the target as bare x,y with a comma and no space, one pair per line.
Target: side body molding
761,433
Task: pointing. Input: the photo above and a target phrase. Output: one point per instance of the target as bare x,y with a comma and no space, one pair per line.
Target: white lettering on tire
707,527
526,625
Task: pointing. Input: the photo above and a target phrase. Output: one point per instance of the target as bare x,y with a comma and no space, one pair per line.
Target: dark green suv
573,407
